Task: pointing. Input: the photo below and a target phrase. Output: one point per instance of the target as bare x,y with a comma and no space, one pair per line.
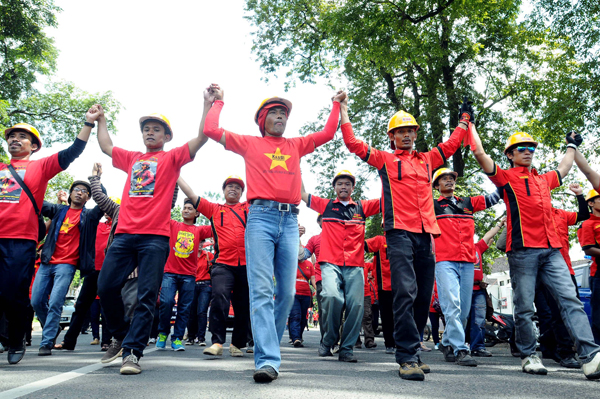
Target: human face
276,121
155,136
404,137
79,195
188,213
521,156
594,203
446,184
343,188
20,143
232,193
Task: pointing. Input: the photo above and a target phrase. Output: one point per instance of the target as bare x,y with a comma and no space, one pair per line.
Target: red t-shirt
16,210
314,247
590,237
147,197
369,267
67,244
480,248
434,296
302,285
378,244
562,220
204,259
183,243
529,223
102,234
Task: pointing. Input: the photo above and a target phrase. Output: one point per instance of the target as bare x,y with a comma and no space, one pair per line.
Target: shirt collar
349,202
448,199
405,152
525,170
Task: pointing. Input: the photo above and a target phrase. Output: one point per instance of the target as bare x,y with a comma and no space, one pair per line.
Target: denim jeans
183,286
149,253
455,289
528,264
199,311
342,285
298,316
51,281
271,251
595,305
478,311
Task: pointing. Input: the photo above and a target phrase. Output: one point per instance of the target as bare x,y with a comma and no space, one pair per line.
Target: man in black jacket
69,246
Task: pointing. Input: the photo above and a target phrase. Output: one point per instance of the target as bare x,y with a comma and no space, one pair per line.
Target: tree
61,181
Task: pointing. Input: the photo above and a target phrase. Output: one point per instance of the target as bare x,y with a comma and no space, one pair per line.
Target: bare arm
304,194
487,238
187,190
344,111
313,281
484,160
196,143
106,144
567,162
584,166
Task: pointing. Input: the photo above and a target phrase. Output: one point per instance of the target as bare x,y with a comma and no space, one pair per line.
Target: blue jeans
271,251
298,316
478,310
171,284
528,264
53,281
199,310
455,288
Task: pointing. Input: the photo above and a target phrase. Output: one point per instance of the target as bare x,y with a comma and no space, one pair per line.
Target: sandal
62,346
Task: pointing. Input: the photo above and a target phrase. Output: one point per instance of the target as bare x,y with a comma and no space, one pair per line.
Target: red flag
469,140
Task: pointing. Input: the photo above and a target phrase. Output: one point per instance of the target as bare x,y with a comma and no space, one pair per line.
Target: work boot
131,365
411,371
448,353
265,374
425,367
464,359
533,365
214,350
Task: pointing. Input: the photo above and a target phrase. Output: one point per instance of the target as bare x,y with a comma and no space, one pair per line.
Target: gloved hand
574,138
466,113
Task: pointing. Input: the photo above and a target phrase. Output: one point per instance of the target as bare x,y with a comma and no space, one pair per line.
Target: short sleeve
553,178
481,246
371,207
180,156
122,159
588,238
317,204
204,232
237,143
206,207
498,176
571,218
305,145
478,203
50,166
310,245
373,244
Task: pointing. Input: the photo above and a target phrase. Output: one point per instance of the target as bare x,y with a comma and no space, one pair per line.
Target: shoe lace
133,359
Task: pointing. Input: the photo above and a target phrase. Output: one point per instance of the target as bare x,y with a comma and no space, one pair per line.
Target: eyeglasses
81,190
522,149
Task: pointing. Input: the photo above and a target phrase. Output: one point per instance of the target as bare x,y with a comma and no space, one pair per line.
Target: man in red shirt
142,235
590,243
305,277
202,293
313,246
367,320
342,262
274,181
409,223
533,248
20,223
455,256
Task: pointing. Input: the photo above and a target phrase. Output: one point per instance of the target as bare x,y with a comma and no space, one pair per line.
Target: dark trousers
95,318
412,267
434,318
595,305
17,259
229,285
375,316
154,328
319,298
87,296
149,253
386,311
298,321
367,322
199,311
554,337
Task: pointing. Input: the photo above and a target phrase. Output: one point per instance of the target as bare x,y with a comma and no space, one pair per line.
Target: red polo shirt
590,237
530,221
314,247
302,284
378,245
369,267
184,242
406,198
229,226
343,229
480,248
204,260
562,220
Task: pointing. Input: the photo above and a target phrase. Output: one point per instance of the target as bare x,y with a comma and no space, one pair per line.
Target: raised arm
103,201
487,238
69,154
484,160
583,212
106,144
187,190
197,142
584,166
331,126
211,126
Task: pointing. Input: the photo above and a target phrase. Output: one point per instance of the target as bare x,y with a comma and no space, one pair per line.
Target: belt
203,282
277,205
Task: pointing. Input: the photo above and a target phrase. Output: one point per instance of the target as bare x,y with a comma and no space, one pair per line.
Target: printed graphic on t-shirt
278,159
66,226
143,177
184,245
477,261
10,190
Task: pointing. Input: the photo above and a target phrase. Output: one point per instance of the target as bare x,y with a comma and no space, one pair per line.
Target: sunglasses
81,190
522,149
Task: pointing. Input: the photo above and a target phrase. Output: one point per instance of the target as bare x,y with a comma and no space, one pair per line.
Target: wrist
89,123
573,146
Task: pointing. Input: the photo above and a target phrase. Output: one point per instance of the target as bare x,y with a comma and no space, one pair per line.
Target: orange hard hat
157,117
29,129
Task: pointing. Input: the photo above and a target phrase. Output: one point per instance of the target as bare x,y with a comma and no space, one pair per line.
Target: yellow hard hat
519,138
443,171
234,179
270,100
344,173
116,200
29,129
159,118
402,119
591,195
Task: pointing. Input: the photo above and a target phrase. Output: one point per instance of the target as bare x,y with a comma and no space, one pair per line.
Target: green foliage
176,214
61,181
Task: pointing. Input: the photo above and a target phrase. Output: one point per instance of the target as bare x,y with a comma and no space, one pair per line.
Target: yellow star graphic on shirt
278,159
65,226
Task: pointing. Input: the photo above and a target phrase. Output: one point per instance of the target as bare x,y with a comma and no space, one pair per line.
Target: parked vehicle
67,312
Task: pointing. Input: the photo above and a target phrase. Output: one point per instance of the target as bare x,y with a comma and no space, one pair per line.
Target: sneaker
250,349
370,345
424,347
234,351
436,347
570,362
190,342
95,341
44,351
425,367
335,349
214,350
114,351
448,353
324,350
464,359
411,371
162,341
390,350
265,374
591,369
151,341
177,345
290,341
131,365
347,357
533,365
481,353
202,343
298,344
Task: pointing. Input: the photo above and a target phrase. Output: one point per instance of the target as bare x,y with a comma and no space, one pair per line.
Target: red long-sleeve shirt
378,245
406,198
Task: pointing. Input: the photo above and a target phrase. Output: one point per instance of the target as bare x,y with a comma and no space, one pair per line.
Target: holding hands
213,93
97,169
574,138
340,96
466,113
94,113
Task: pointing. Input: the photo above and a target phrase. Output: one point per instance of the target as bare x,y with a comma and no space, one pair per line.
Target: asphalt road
190,374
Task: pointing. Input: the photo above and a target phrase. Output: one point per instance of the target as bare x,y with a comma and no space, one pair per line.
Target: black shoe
44,351
448,353
347,357
16,354
265,374
298,344
464,359
481,353
358,345
570,362
324,350
370,345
